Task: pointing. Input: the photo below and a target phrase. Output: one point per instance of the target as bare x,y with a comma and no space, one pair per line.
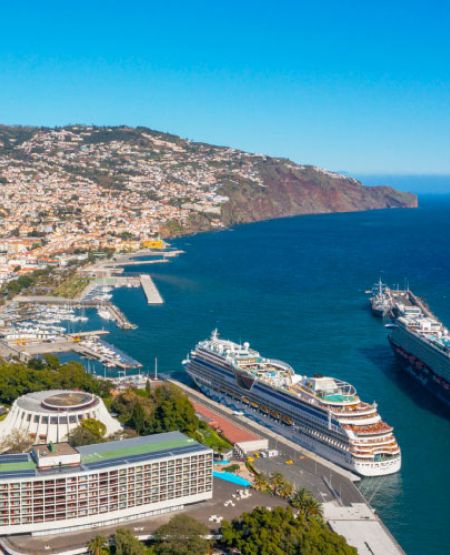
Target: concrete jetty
362,529
136,263
150,290
119,317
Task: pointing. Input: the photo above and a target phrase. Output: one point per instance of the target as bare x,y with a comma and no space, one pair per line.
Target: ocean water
294,288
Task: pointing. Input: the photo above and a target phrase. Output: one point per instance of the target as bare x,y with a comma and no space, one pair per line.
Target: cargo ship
321,413
421,344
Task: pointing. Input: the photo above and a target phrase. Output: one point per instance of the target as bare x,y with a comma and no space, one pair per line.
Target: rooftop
56,400
54,450
154,444
100,455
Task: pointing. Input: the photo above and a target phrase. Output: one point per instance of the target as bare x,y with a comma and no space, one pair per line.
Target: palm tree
276,480
285,489
97,545
307,505
299,498
312,508
261,482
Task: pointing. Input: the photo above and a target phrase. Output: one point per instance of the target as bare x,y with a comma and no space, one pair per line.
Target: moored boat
321,413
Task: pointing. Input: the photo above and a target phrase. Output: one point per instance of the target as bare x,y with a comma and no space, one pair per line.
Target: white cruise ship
321,413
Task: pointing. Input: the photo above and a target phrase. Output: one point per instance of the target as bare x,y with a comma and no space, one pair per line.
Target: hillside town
86,189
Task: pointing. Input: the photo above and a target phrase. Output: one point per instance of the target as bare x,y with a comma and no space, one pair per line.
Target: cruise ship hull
419,366
259,400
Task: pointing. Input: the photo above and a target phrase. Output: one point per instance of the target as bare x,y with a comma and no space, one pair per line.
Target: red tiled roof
230,430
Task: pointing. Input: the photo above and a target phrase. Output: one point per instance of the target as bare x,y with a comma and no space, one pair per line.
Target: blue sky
361,86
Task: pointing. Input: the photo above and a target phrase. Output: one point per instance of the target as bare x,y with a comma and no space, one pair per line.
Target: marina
88,345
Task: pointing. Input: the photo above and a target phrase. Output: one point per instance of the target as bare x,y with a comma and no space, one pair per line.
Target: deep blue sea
295,289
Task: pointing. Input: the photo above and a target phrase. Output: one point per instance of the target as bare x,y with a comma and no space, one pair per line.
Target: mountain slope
173,183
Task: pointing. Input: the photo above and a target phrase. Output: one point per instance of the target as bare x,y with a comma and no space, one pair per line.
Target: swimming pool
233,478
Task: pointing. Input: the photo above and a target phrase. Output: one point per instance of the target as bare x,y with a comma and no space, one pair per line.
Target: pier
76,343
136,263
150,290
345,508
116,314
125,363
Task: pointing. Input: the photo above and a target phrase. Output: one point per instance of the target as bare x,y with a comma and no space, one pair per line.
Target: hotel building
57,488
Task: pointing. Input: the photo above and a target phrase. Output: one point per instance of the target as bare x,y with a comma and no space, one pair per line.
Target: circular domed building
50,416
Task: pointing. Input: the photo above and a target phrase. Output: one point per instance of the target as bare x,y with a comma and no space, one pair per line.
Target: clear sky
361,86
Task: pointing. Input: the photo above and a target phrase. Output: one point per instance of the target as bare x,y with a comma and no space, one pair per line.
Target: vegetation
16,442
127,544
23,282
262,532
183,535
232,468
306,504
17,378
275,484
206,435
280,532
72,286
172,228
164,409
98,546
89,431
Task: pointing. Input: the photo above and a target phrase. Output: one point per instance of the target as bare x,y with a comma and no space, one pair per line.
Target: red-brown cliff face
288,189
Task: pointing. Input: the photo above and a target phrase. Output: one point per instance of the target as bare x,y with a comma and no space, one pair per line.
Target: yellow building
153,244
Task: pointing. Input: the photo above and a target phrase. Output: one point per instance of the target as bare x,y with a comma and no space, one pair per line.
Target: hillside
117,180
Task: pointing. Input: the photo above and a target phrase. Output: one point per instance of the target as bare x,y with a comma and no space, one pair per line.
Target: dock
125,363
150,290
136,263
69,343
345,508
118,316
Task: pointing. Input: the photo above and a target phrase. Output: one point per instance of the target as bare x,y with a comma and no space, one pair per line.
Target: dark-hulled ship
422,345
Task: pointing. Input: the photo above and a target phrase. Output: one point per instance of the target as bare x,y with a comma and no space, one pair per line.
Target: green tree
148,388
261,482
285,489
16,442
88,432
280,485
279,532
306,504
52,361
138,420
94,426
127,544
182,535
97,546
